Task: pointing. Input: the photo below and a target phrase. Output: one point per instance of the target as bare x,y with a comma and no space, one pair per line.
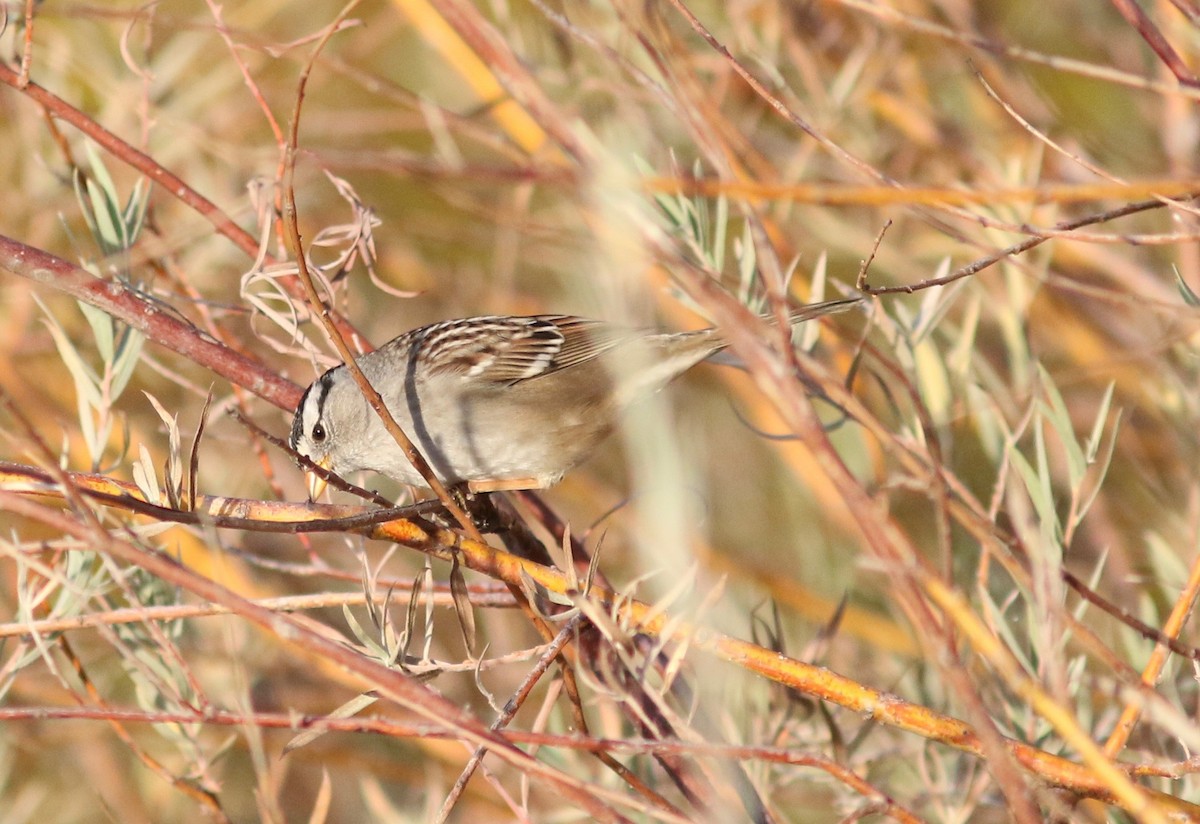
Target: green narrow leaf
129,354
932,380
1093,441
671,209
1093,582
1043,462
1034,487
1102,471
102,329
100,439
86,577
104,219
83,194
720,229
100,172
936,304
394,644
1189,297
963,347
87,428
1003,625
86,381
747,259
134,216
932,305
988,423
105,204
363,637
805,335
1056,411
700,233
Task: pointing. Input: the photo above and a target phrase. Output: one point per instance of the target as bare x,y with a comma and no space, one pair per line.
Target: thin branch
978,266
394,684
323,311
151,318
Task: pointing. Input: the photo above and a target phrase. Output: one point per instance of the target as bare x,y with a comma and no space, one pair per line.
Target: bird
497,402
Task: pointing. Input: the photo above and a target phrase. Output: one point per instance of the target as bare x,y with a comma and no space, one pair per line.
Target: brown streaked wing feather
585,339
511,349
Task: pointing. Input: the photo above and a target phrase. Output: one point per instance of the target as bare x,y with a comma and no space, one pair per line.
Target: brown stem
151,318
171,183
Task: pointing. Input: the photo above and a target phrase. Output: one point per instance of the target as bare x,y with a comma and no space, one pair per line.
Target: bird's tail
826,307
721,357
666,356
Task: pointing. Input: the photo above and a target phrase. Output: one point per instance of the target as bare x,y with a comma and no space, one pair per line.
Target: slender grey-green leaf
1093,441
129,354
86,382
363,637
105,202
720,238
102,329
1055,410
1042,503
1102,471
1189,297
747,259
135,210
105,220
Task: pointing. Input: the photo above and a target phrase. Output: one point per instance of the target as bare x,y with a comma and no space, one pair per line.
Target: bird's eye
318,433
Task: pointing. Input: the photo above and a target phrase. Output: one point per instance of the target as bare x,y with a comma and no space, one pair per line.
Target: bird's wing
512,349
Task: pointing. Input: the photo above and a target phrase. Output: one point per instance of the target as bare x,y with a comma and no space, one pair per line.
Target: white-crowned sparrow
497,402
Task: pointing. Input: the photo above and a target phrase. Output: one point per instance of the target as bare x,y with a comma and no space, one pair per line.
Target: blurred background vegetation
522,157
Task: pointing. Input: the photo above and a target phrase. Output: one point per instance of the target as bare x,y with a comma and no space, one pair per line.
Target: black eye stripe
322,385
326,383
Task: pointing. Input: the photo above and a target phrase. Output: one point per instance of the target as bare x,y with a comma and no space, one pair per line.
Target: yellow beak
316,484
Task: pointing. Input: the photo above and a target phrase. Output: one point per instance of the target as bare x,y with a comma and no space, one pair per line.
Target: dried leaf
173,468
410,615
145,477
320,810
348,710
194,454
462,604
496,706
